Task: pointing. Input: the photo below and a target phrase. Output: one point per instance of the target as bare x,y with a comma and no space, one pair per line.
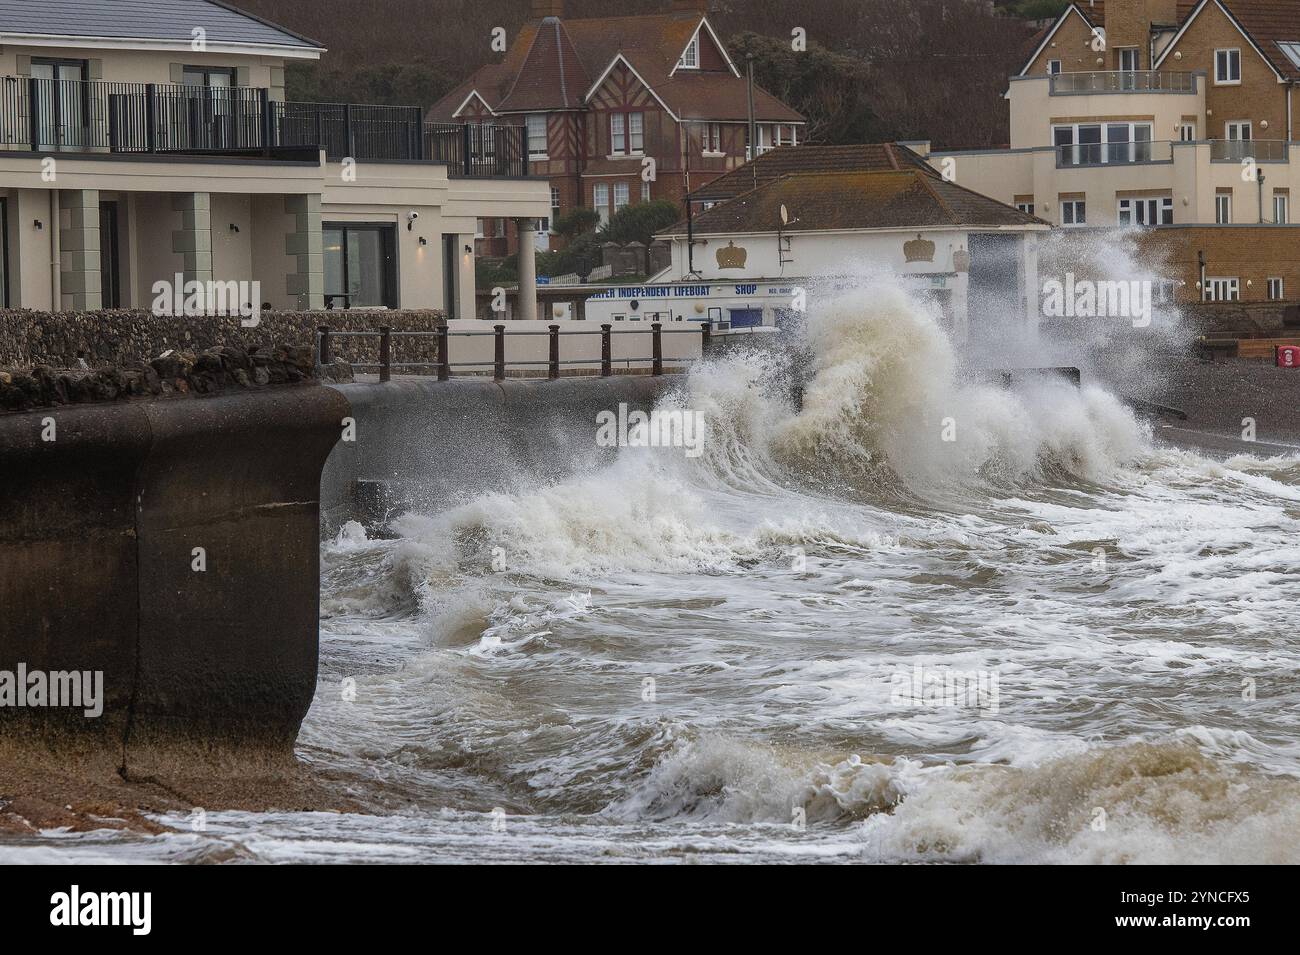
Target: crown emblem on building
918,249
732,257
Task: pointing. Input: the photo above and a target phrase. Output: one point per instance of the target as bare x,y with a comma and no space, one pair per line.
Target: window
360,265
1227,66
1128,59
1222,290
1281,201
621,195
1157,210
645,190
626,133
1090,144
764,140
1187,132
635,125
600,199
1026,207
691,55
543,225
1053,67
478,228
1223,208
1276,289
713,138
499,228
1238,129
1292,51
555,202
537,136
1074,212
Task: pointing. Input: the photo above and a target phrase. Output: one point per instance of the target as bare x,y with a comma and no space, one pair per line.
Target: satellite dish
785,216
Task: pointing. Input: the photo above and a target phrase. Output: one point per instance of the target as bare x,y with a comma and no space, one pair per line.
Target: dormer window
691,56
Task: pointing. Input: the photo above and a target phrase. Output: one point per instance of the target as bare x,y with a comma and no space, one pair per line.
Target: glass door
360,265
58,103
210,100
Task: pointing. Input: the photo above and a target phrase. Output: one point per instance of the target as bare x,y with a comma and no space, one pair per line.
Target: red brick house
619,110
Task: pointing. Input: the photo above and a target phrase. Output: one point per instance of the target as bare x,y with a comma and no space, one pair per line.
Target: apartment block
150,139
1160,114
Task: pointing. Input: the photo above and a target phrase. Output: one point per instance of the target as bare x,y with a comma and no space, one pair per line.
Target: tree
640,222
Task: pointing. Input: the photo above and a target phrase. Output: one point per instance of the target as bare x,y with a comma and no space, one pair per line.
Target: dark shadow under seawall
99,571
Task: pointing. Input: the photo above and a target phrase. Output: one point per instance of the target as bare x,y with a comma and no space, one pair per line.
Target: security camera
410,219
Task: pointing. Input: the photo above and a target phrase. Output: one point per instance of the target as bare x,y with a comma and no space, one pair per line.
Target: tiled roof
825,201
553,63
143,20
787,160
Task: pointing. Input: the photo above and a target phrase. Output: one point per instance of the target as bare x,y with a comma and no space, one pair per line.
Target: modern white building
145,140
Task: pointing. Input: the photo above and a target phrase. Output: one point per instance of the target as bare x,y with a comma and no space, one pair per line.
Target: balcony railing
1123,81
1260,150
48,115
1108,154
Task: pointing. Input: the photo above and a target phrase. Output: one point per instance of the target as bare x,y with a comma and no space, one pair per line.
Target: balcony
1260,150
1122,81
1113,154
50,116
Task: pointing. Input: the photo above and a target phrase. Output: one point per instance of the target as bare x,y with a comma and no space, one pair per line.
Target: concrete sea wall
431,445
103,517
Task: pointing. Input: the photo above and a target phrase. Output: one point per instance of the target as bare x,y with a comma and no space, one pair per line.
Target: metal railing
1106,154
443,366
54,115
1260,150
1122,81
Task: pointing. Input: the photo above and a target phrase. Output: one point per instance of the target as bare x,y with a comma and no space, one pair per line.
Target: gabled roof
1264,23
847,201
787,160
155,22
555,63
1073,10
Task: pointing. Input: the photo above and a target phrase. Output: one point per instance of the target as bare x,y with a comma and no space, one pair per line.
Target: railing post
347,131
606,352
498,353
324,356
264,101
34,100
554,372
466,151
444,354
385,353
656,348
151,118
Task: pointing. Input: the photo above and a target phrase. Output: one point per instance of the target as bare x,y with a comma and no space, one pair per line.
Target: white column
527,270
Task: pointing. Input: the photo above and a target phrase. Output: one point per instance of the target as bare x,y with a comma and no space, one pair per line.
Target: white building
808,216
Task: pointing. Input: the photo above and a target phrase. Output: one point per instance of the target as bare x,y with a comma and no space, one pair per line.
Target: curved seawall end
168,549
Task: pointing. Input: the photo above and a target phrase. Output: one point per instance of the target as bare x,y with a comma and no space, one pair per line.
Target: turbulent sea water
697,659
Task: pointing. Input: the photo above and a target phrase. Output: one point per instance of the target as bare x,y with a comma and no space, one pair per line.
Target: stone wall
119,337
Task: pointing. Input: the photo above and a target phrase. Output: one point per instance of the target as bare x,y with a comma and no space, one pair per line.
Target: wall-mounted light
469,250
39,224
423,241
233,227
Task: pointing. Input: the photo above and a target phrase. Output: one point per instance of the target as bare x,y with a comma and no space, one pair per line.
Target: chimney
547,8
690,6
